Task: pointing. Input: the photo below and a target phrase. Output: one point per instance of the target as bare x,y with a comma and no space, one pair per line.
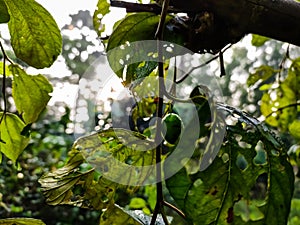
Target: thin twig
181,79
284,107
138,7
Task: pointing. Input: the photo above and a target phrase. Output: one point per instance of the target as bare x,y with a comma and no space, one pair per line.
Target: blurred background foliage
53,135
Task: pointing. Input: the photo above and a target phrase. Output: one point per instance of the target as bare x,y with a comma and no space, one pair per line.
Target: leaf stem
181,79
178,211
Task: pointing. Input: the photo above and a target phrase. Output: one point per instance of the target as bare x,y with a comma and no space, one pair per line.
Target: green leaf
116,215
4,15
12,142
7,70
100,12
293,80
123,56
212,126
21,221
231,192
294,129
35,36
30,93
277,110
134,27
258,40
119,216
261,74
121,155
137,203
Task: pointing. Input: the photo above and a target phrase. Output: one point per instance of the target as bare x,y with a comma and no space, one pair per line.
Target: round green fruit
171,128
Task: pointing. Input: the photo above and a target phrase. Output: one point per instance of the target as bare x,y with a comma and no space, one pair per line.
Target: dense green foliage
112,173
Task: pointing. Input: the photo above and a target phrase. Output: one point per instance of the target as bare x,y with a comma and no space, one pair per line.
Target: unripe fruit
172,125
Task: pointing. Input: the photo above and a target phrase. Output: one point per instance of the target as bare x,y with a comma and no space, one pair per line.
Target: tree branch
277,19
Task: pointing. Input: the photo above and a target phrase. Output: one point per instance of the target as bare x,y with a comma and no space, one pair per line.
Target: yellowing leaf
12,142
35,36
21,221
30,93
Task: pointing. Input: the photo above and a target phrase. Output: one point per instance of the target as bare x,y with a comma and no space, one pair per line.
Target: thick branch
278,19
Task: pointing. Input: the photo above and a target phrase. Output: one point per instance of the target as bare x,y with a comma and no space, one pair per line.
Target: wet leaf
35,36
30,93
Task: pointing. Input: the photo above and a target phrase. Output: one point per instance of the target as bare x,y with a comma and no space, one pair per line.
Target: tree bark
277,19
232,19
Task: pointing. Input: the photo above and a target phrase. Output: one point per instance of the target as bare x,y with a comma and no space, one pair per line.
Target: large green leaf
35,36
100,12
249,182
12,142
30,93
4,15
130,49
21,221
134,27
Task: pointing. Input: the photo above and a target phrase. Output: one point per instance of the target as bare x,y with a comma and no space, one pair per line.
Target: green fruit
171,127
